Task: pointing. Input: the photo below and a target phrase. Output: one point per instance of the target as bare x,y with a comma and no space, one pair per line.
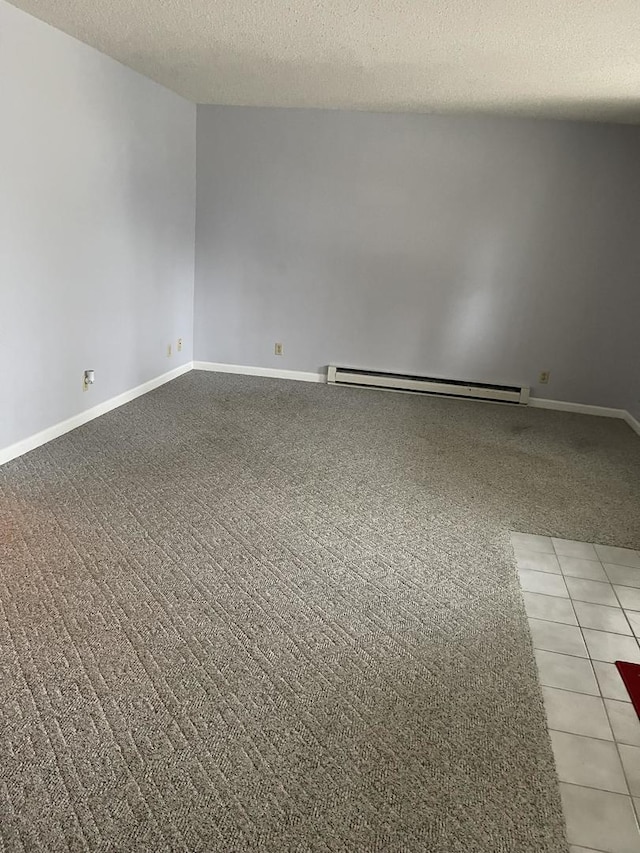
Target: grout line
582,559
517,552
572,556
578,625
567,654
591,737
587,788
539,571
593,696
594,545
579,692
572,577
533,592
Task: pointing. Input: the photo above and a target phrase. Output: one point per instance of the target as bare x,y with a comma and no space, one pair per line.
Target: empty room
319,427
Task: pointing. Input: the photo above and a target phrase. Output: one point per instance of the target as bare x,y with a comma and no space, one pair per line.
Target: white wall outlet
168,350
544,377
88,378
179,344
278,349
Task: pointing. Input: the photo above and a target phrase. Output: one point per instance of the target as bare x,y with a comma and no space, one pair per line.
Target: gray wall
631,399
633,403
476,248
97,209
628,336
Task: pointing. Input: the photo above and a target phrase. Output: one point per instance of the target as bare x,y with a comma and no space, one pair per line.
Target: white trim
585,409
247,370
633,423
578,408
40,438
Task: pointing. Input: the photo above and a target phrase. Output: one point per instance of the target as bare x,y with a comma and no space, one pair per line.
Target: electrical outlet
278,349
544,377
88,378
168,350
179,344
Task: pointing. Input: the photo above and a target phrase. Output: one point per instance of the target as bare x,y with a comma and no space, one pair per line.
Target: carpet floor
243,614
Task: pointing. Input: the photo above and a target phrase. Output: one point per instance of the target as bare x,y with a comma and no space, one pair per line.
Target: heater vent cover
427,385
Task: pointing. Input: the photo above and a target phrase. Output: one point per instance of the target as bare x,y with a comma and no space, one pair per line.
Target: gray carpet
242,614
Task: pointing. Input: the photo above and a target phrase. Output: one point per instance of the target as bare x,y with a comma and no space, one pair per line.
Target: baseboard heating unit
427,385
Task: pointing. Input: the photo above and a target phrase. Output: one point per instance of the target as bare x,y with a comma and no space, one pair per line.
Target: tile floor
583,604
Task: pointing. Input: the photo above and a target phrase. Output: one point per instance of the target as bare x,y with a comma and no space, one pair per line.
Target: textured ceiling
574,58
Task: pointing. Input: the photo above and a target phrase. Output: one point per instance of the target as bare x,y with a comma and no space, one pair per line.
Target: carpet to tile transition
242,614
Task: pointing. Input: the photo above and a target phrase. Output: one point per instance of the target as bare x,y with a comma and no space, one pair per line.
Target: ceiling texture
559,58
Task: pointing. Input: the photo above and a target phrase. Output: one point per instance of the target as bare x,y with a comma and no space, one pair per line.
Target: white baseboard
633,423
585,409
578,408
247,370
534,402
33,441
301,376
40,438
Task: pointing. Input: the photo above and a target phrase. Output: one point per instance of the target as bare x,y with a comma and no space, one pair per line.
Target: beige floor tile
538,562
549,607
556,637
566,672
600,820
634,620
571,548
609,680
608,647
589,569
630,756
543,582
592,591
618,556
624,721
628,596
622,575
602,618
576,713
589,762
531,542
